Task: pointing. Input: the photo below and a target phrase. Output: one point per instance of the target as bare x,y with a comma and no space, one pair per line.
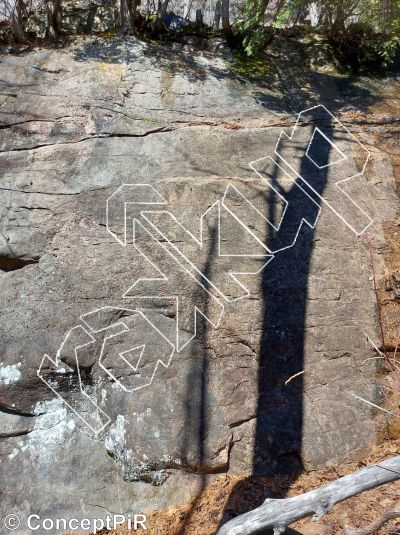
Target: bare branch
375,525
378,304
278,514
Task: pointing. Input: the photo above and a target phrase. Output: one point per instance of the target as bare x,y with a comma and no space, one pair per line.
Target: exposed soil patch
230,496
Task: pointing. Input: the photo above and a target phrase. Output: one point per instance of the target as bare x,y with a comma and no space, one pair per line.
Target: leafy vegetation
362,34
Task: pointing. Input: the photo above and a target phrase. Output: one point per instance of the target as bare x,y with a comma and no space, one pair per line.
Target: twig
373,404
294,376
375,525
397,343
377,301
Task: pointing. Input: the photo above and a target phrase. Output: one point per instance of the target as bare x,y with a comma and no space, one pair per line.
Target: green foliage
254,33
362,33
253,67
373,40
387,24
287,12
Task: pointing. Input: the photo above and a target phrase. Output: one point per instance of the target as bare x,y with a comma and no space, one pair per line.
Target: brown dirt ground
233,495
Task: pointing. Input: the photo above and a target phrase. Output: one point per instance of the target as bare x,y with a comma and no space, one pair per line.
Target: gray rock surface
77,124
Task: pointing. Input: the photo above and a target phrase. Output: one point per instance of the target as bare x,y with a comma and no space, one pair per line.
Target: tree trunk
17,21
132,8
278,514
123,21
53,12
217,14
17,31
199,17
187,9
226,25
127,10
163,8
340,17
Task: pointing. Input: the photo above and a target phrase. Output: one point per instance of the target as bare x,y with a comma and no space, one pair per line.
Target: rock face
127,203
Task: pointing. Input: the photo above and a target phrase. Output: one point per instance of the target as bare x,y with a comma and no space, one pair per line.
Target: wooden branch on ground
278,514
375,525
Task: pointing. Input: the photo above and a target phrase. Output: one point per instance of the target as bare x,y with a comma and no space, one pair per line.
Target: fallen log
278,514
